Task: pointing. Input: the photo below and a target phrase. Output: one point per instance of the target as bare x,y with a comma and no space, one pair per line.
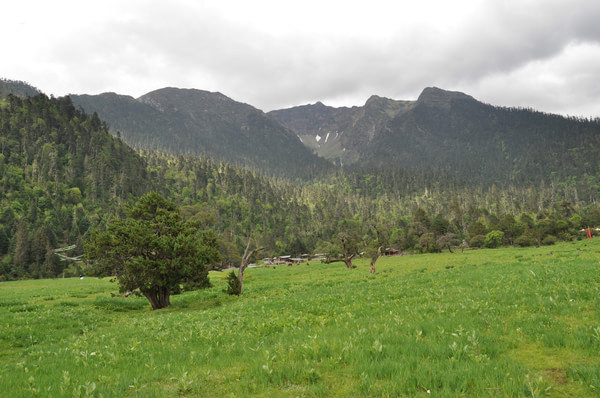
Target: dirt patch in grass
556,375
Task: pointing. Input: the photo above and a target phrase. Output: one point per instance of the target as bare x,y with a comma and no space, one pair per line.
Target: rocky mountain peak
441,98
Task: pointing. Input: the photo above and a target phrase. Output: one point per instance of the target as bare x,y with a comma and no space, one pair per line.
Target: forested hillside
453,132
196,122
487,144
18,88
60,173
411,210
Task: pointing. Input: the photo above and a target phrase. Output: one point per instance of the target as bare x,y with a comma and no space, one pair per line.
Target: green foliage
60,174
525,240
233,285
350,234
153,250
477,241
293,218
4,241
448,241
428,244
63,175
494,239
549,240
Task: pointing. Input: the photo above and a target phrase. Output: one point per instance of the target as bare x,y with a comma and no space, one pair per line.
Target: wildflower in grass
377,346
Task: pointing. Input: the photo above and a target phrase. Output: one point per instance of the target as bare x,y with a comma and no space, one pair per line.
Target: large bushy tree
153,250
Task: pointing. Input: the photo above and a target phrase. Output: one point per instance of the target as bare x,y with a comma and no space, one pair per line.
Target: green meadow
514,322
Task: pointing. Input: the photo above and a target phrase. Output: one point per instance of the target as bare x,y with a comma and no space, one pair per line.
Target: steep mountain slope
188,121
18,88
318,126
454,132
338,134
484,143
61,173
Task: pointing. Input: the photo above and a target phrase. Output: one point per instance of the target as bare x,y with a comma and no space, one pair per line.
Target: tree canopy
153,250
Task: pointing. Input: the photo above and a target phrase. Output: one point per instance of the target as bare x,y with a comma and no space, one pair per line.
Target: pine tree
22,253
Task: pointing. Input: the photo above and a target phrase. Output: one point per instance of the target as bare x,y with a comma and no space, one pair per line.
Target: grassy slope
505,322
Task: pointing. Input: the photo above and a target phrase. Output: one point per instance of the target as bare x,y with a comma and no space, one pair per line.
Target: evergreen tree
152,250
22,246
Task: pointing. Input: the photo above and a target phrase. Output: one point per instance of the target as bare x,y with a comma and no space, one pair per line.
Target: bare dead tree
245,258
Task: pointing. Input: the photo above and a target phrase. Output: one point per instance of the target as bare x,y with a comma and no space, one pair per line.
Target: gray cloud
542,54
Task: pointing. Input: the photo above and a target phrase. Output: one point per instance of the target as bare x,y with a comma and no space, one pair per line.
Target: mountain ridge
191,121
445,130
451,131
18,88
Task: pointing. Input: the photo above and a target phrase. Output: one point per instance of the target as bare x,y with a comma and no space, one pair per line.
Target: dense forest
62,175
410,210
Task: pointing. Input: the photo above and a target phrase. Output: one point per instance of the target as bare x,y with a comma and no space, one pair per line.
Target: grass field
486,323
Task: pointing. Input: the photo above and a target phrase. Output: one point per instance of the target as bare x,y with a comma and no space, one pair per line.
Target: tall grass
504,322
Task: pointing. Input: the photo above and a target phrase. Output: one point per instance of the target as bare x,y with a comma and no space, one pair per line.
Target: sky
541,54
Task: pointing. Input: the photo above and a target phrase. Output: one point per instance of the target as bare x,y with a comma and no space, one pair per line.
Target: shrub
549,240
494,239
566,236
428,243
233,284
525,240
477,241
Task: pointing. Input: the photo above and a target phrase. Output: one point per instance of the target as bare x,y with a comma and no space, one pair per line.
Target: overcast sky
543,54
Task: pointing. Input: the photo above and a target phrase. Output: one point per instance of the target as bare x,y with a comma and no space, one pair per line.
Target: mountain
189,121
450,131
61,173
18,88
446,131
338,134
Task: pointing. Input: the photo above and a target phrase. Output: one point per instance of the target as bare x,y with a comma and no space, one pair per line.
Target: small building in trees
390,251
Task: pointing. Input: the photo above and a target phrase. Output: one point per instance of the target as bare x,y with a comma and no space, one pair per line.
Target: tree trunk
348,261
150,294
347,257
158,297
244,264
330,260
374,259
164,297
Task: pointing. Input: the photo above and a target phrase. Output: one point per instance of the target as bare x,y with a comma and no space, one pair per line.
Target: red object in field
589,233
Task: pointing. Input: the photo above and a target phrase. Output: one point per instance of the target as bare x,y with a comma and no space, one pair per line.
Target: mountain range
413,171
442,130
450,131
189,121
